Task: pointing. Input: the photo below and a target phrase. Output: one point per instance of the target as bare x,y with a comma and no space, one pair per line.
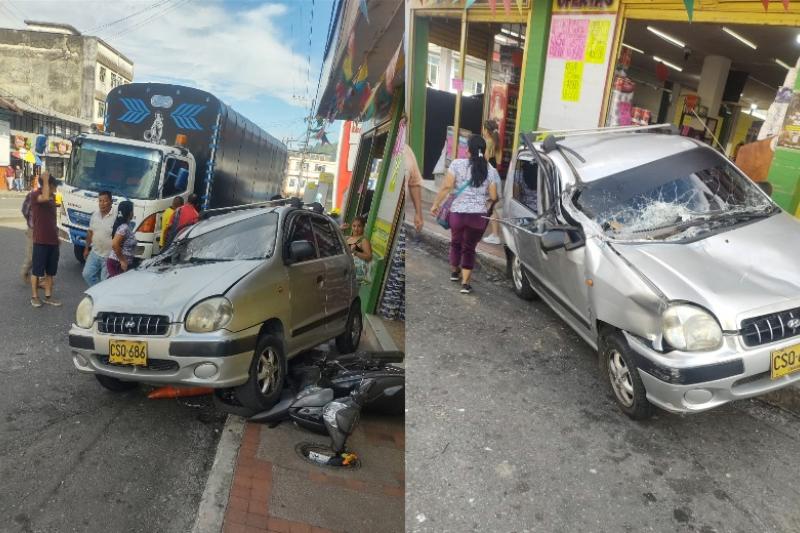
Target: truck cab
149,175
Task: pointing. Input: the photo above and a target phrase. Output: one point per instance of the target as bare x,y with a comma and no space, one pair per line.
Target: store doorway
715,81
489,90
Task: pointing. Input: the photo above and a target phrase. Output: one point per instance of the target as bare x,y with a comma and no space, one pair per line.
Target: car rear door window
327,238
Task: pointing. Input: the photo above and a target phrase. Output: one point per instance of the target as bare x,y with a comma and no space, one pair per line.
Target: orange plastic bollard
178,392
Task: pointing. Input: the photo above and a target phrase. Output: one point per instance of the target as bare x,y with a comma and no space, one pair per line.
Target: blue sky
254,54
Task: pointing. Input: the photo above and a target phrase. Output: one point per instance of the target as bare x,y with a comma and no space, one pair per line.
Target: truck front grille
79,217
125,324
771,328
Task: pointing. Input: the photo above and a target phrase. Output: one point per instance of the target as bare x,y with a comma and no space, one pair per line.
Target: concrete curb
440,245
211,513
376,334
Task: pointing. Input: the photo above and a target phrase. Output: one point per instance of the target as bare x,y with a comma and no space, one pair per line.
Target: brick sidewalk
273,488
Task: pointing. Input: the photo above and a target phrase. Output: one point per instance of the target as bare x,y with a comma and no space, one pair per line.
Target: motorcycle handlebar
378,357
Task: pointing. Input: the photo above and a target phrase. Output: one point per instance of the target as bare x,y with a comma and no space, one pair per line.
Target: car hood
747,271
167,291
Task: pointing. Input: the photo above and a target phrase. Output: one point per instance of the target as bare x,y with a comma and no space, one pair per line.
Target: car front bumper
704,381
218,360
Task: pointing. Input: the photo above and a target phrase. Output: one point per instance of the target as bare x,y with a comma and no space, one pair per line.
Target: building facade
304,170
54,67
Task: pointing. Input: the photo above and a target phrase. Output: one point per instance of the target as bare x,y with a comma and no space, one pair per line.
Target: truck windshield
675,197
128,171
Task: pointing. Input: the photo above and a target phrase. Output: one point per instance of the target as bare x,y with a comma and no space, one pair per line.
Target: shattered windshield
676,197
249,239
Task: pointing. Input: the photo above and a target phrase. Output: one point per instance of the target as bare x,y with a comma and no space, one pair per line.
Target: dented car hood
167,291
739,273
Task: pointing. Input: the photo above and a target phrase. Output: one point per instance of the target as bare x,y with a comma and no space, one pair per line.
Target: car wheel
516,272
78,251
348,341
618,366
267,375
114,384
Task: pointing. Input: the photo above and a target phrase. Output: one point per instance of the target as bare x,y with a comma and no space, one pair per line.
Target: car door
339,272
306,286
523,211
561,271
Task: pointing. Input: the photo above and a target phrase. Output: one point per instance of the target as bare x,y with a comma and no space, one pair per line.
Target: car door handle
320,280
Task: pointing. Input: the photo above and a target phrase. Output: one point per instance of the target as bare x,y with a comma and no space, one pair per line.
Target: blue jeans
19,183
94,271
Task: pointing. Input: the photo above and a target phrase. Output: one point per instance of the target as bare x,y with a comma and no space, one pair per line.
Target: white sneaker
492,239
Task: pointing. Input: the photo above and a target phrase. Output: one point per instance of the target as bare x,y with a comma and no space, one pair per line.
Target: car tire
267,375
78,251
619,369
114,384
519,281
348,341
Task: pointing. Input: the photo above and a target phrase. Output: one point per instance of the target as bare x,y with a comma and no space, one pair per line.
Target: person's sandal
36,302
49,300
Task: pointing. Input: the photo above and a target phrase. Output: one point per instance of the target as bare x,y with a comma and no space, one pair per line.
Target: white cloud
238,54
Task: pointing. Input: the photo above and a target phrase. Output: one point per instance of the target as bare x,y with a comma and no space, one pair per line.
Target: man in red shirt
184,216
45,241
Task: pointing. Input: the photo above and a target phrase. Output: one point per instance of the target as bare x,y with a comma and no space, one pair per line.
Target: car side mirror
554,239
301,251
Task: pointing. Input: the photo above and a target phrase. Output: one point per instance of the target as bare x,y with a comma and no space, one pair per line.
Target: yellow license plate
785,361
127,352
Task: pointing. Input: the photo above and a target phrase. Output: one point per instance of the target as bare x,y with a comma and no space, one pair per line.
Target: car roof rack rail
601,130
271,203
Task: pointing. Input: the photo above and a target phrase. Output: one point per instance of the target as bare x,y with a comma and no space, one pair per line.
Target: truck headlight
84,316
209,315
690,328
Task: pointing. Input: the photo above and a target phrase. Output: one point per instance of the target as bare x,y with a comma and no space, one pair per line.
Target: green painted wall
418,87
784,173
533,67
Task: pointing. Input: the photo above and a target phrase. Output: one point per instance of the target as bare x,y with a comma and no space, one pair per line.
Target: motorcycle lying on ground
331,394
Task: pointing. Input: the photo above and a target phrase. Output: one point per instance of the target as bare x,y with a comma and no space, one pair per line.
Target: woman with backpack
123,243
473,184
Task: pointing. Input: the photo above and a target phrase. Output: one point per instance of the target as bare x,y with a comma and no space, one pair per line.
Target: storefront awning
364,60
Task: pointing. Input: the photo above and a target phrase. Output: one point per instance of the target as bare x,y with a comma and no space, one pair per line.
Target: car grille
771,328
158,365
79,217
132,324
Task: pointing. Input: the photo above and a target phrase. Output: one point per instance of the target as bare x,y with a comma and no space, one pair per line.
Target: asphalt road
73,456
509,428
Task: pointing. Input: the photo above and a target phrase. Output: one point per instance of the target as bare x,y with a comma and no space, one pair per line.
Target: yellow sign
597,41
395,173
325,177
585,6
573,80
380,236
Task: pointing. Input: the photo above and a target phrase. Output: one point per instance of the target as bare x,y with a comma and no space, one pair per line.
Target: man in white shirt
98,241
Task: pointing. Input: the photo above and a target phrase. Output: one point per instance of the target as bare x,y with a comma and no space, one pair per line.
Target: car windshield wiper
194,260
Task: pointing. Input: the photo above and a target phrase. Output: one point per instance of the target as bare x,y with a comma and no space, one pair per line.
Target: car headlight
690,328
84,316
209,315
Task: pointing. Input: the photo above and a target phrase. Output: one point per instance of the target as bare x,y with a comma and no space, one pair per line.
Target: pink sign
568,38
458,84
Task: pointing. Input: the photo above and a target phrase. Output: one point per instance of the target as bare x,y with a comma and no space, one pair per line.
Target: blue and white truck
161,141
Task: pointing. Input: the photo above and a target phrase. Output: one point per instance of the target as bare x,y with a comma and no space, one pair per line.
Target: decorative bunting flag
689,8
493,5
507,6
519,5
786,5
469,4
363,7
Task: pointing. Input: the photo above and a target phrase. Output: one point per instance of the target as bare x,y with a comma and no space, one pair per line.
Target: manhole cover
323,456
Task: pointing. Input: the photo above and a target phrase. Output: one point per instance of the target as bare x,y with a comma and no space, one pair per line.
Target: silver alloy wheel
268,369
620,377
355,330
516,272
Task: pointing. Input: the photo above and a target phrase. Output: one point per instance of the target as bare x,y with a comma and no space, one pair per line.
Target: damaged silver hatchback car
665,258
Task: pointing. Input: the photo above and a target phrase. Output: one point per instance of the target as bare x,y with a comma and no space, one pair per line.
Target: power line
117,21
138,25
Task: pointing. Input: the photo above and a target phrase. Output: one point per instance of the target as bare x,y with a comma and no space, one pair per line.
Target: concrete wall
43,69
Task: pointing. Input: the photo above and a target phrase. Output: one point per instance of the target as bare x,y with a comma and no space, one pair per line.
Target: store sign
585,6
58,146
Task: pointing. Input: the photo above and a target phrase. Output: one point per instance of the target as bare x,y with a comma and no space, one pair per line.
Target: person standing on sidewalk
98,241
45,241
492,138
414,184
477,183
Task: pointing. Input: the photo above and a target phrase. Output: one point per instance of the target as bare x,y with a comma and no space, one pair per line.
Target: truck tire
267,375
618,368
348,341
114,384
516,272
78,250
